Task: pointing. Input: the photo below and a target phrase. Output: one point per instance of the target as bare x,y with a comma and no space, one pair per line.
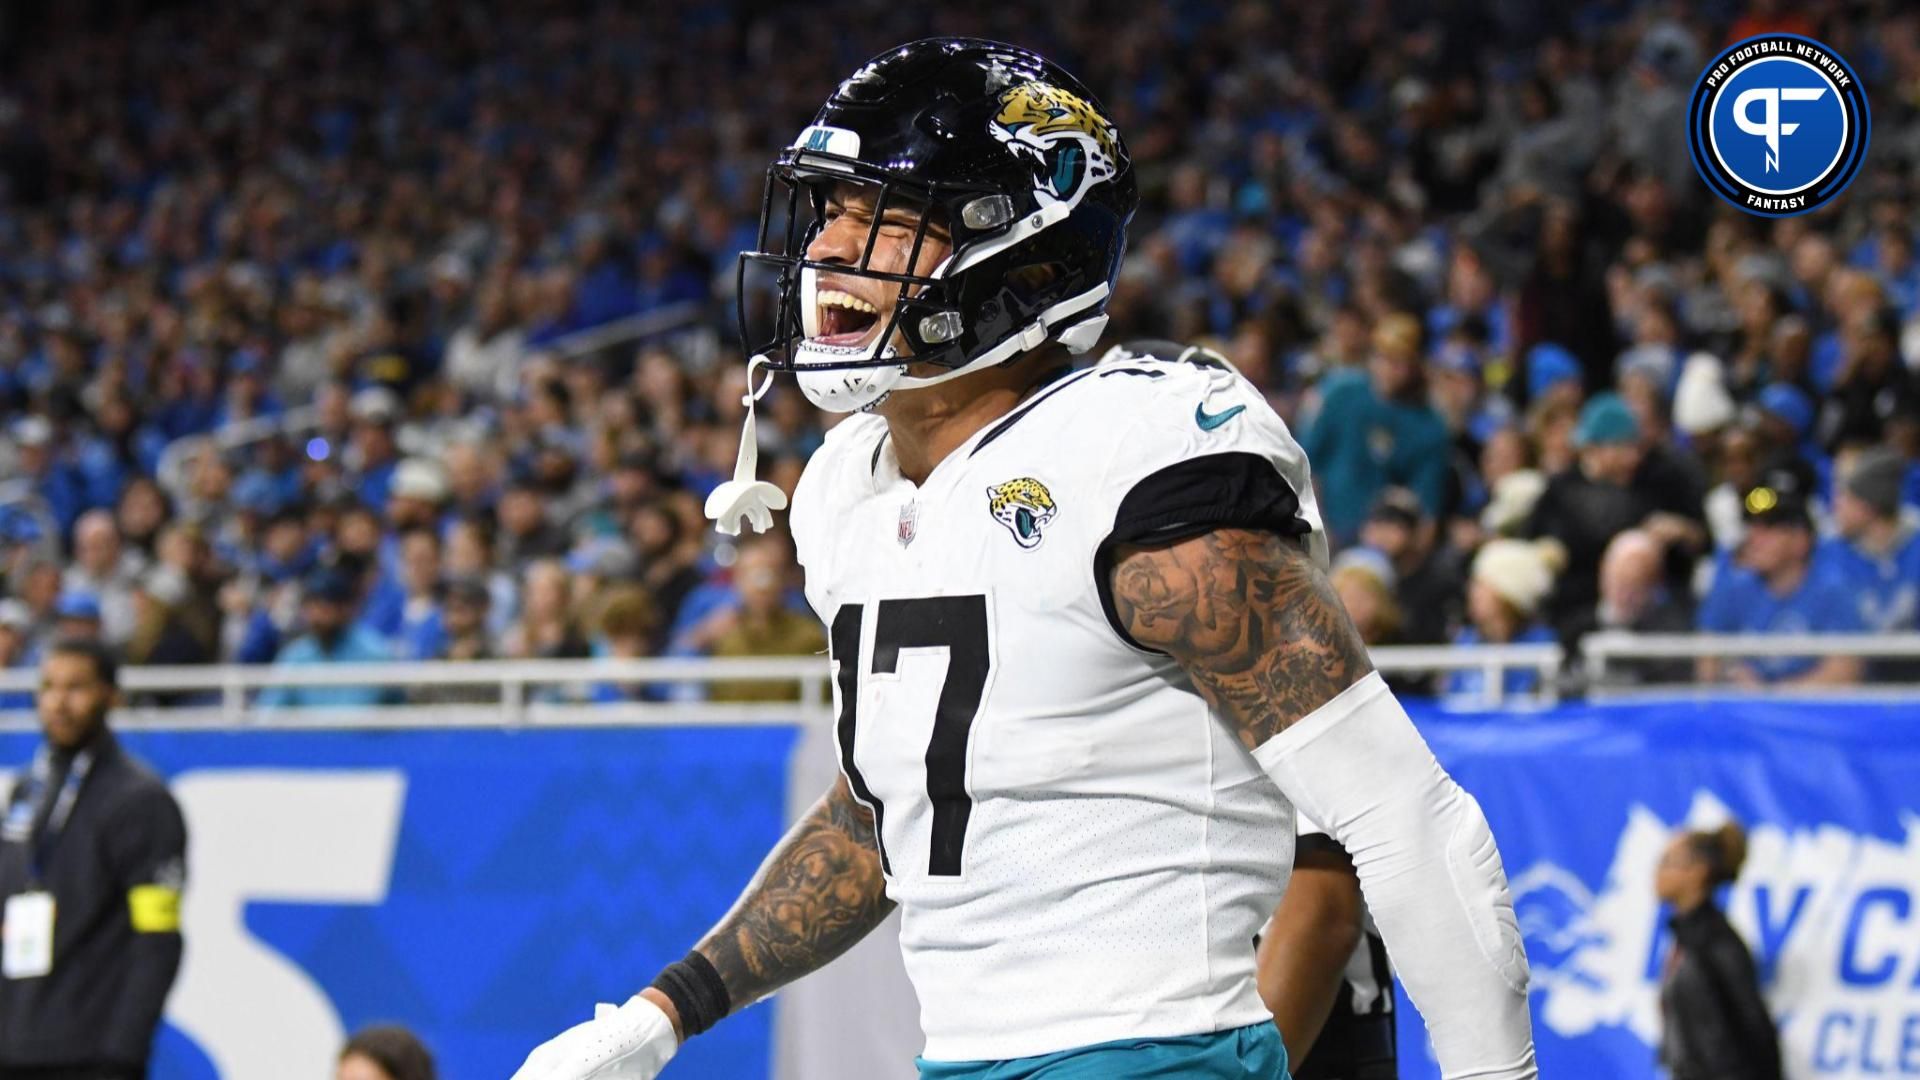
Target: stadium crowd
297,301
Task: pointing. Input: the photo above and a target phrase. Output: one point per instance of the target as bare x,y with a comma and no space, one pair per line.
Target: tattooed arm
1253,622
818,893
1251,619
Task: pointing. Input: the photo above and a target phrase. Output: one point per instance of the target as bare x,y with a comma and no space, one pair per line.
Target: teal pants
1248,1053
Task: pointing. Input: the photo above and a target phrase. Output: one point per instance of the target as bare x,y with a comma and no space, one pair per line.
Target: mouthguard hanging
744,496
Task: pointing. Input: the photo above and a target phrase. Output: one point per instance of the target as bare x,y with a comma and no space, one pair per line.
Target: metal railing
556,693
1607,652
232,689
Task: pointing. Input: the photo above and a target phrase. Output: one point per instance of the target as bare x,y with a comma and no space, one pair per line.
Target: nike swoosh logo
1208,421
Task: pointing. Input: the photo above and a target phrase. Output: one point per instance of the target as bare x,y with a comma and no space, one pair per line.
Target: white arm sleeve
1428,867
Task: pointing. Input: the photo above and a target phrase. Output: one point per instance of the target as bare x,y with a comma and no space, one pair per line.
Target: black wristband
698,995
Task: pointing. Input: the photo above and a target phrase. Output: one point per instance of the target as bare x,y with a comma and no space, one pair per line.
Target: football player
1086,658
1323,970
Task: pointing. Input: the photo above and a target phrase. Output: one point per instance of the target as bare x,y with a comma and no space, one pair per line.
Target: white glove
632,1042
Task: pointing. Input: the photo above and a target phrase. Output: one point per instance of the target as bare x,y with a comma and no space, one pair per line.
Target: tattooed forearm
818,893
1251,619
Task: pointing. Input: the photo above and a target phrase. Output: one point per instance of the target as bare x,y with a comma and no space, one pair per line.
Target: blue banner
487,887
483,887
1583,799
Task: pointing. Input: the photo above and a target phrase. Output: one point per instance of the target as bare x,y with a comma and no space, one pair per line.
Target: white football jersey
1080,849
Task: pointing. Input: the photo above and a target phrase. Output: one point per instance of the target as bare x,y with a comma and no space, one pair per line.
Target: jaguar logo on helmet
1070,144
1024,506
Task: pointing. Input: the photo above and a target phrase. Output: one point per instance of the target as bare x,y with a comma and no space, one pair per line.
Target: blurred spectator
472,476
37,584
76,617
1635,597
464,638
329,636
546,628
412,624
1510,583
1740,465
1553,377
1715,1021
469,553
627,629
1877,551
372,455
1775,587
1364,581
143,509
385,1052
483,355
105,570
1607,492
525,532
1427,578
1783,422
1702,407
1633,589
1377,430
666,564
1871,387
16,651
416,494
464,621
762,623
166,630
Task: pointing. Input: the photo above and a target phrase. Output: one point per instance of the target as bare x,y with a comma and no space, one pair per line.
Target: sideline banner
483,887
487,887
1584,798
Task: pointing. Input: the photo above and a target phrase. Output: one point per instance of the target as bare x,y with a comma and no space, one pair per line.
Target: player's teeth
836,298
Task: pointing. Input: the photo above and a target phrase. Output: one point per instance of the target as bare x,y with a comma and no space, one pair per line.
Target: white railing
1606,651
522,687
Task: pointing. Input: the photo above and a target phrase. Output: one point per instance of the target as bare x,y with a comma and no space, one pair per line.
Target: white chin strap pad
1428,867
843,390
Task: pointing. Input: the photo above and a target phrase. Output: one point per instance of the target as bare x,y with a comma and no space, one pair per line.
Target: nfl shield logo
909,522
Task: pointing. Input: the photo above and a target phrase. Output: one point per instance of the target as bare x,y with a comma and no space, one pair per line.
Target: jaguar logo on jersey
1024,506
1071,146
1778,125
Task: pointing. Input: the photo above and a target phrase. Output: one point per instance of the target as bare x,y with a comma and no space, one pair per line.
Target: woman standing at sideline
1716,1025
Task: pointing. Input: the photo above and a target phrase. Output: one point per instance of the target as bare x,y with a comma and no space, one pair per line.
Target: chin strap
744,496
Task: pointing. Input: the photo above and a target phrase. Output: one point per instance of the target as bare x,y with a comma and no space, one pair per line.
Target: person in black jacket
1323,972
92,861
1716,1024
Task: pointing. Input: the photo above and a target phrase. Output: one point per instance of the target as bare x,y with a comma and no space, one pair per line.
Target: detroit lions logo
1024,506
1072,147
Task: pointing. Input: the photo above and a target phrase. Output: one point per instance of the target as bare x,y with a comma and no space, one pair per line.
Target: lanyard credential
38,781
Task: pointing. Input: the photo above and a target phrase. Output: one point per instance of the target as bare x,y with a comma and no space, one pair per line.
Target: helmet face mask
1002,155
795,212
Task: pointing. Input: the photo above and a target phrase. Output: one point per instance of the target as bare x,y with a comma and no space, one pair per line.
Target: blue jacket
1360,443
1740,603
357,645
1887,587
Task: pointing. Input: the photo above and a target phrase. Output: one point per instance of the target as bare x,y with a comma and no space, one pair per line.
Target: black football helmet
1009,154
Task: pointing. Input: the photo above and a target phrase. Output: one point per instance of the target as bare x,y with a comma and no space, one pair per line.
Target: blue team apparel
1740,603
1887,587
1254,1052
1470,685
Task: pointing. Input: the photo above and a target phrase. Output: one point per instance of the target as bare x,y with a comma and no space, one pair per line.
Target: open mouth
845,319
